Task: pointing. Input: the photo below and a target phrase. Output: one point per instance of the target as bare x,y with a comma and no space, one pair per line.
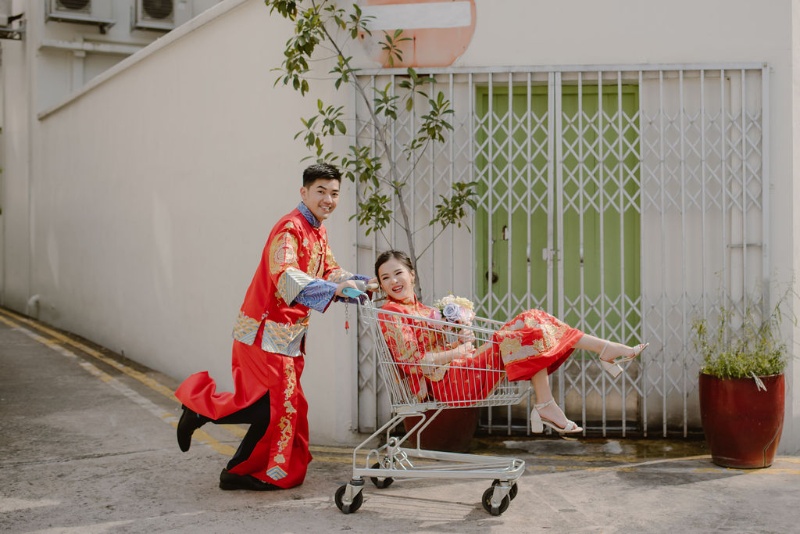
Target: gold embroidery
315,267
339,275
284,338
423,391
519,354
435,372
509,345
285,423
283,253
245,329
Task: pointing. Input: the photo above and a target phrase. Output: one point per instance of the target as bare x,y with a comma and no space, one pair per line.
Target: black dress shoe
189,422
229,481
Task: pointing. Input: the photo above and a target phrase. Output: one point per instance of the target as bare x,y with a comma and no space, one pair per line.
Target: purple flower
452,312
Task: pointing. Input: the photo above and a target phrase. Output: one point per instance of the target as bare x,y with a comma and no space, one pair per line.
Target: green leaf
325,29
737,343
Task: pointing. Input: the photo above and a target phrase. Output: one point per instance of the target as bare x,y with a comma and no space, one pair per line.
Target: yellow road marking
7,322
137,375
58,340
106,378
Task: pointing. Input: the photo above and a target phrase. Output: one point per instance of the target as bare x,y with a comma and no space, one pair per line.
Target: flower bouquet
456,310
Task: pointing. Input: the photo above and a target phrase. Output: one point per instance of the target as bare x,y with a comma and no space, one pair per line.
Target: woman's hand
466,335
465,350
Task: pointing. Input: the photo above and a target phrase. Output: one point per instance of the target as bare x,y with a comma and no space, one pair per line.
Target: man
297,274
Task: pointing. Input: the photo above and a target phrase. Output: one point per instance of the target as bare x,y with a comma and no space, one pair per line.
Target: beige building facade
136,202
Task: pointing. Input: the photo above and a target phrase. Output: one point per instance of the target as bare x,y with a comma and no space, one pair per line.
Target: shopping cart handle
352,292
363,287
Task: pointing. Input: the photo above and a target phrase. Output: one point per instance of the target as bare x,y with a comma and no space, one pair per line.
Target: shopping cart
468,385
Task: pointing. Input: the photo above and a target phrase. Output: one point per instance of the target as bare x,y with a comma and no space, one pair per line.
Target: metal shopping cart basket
468,385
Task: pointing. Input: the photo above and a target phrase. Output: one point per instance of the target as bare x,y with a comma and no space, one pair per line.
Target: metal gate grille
624,200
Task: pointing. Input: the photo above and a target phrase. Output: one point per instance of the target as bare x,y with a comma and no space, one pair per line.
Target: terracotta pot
451,431
742,424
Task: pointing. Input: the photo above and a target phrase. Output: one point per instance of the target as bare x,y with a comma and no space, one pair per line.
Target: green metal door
558,224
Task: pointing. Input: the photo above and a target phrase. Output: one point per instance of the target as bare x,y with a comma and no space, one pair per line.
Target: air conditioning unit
161,15
73,6
95,12
6,12
12,23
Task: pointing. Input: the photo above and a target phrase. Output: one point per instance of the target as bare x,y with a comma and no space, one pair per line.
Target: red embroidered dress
531,341
268,350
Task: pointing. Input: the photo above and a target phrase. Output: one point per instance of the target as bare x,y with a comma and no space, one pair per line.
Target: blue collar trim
308,215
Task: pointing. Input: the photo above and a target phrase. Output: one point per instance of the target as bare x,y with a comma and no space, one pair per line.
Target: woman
529,347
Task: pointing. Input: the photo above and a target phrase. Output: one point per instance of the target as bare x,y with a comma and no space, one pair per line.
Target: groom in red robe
297,274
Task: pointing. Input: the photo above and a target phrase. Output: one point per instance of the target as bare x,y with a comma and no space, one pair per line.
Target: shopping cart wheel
487,502
512,492
381,482
358,500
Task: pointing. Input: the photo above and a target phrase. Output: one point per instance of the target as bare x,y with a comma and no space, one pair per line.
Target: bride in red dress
530,346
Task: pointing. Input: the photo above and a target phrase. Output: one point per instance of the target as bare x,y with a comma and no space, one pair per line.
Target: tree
322,27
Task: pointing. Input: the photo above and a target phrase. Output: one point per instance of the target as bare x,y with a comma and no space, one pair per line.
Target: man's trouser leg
257,416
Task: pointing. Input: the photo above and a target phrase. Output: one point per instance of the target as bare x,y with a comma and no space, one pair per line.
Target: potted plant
741,383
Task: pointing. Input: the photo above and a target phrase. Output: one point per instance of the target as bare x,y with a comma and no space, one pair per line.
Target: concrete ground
88,446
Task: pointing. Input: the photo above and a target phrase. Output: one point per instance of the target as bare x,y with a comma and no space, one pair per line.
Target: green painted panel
514,194
598,192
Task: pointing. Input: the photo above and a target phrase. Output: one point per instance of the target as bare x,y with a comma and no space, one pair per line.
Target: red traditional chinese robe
531,341
268,351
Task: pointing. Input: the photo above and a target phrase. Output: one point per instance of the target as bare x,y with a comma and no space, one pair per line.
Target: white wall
17,122
158,190
791,433
61,69
586,32
155,189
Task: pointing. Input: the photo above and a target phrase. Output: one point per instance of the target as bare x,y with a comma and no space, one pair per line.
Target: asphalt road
88,446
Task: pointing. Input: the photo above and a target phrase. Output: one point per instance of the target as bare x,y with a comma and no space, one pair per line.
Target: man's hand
348,283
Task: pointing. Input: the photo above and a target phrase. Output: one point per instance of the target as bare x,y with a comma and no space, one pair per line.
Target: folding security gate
624,200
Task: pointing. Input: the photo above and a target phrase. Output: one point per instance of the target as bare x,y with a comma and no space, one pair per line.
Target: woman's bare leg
551,412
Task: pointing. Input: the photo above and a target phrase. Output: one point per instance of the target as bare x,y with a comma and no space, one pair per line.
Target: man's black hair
320,170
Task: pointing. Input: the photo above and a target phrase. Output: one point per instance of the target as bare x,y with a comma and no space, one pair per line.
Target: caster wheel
381,482
487,502
512,492
352,507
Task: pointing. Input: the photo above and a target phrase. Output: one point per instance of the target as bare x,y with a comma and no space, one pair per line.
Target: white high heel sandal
538,422
613,367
